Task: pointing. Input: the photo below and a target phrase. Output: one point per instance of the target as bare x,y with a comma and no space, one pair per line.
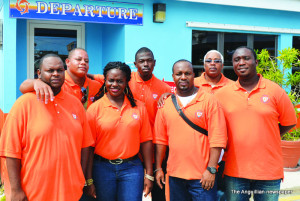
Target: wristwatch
212,170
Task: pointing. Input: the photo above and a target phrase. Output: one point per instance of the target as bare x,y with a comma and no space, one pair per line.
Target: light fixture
159,12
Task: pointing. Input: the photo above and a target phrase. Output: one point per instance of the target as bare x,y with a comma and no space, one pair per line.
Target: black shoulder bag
189,122
219,175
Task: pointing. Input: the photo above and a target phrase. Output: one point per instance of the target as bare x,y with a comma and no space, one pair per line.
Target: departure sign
79,11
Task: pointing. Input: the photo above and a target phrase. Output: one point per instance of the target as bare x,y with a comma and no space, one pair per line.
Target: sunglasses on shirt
216,61
84,95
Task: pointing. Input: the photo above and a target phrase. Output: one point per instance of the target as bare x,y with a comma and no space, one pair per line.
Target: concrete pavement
290,187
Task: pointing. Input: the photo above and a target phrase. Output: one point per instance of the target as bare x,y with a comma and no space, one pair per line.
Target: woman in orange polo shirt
120,127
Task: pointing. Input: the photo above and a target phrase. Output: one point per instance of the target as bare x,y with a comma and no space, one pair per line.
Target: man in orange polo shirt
257,113
212,79
193,156
148,89
76,81
43,144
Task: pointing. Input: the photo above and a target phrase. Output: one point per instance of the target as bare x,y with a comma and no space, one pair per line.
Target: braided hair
126,70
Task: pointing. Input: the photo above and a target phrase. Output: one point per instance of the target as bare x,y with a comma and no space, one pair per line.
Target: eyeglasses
216,61
84,95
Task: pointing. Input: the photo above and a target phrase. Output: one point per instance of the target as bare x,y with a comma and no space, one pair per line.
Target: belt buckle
117,161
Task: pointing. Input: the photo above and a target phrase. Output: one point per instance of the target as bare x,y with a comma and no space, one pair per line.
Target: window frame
33,24
221,44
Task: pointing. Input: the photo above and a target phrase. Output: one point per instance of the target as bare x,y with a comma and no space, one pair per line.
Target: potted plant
279,70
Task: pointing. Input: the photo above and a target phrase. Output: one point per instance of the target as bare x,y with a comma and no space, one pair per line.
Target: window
231,42
56,41
51,37
202,43
226,43
266,42
296,44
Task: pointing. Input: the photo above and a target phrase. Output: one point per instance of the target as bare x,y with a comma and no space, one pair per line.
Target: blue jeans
221,196
121,182
190,190
240,189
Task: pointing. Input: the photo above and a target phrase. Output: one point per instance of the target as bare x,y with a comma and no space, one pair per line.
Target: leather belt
117,161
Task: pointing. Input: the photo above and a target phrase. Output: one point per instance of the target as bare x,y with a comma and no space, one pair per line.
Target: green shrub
278,69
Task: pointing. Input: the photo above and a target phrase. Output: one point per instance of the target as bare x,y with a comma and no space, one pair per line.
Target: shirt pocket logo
199,113
155,96
265,99
74,116
135,116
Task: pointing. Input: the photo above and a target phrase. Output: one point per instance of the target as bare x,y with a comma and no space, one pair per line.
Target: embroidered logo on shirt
265,98
155,96
92,98
135,116
199,113
74,116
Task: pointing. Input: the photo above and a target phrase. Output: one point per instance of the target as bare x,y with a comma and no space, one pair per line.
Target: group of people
70,137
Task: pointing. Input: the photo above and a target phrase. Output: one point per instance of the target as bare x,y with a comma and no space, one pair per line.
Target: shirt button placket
120,119
248,100
55,104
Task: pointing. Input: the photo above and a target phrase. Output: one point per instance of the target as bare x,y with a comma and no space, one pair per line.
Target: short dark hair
142,50
181,60
126,70
47,56
245,47
73,50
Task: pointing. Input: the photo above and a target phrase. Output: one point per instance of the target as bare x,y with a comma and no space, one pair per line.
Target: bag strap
189,122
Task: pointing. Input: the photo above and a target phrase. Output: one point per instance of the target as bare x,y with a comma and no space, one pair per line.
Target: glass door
52,37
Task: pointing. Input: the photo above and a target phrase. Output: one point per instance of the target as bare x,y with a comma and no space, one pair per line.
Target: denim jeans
240,189
190,190
121,182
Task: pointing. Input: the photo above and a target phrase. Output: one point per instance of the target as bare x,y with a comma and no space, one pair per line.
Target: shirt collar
61,94
203,81
260,85
139,79
70,81
107,102
199,97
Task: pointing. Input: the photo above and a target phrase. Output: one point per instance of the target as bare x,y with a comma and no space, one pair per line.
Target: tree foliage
279,70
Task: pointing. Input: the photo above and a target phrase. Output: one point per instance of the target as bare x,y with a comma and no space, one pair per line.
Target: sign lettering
75,10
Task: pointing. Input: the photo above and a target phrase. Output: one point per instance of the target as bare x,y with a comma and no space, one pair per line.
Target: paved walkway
290,187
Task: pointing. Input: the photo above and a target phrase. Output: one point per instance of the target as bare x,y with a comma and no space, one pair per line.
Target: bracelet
157,170
89,182
151,178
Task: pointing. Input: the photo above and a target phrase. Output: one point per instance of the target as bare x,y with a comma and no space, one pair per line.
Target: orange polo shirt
118,133
201,82
2,119
99,78
253,150
148,92
48,139
74,89
2,161
189,149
